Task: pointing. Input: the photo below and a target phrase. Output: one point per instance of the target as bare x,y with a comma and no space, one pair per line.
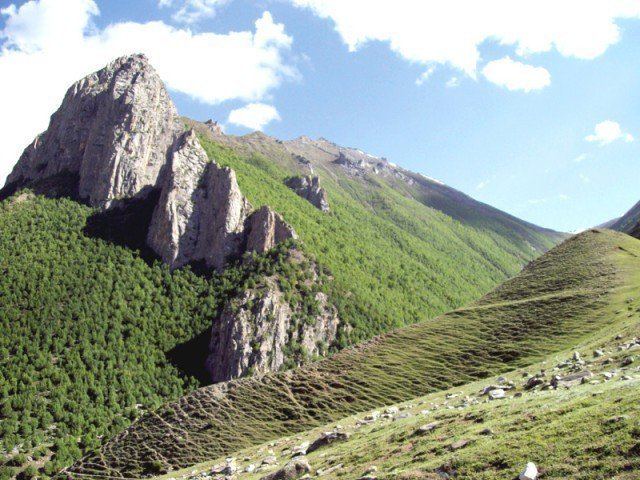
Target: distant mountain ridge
308,156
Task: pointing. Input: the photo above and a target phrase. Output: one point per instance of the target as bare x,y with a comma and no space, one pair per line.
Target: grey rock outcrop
214,127
253,332
265,229
113,130
296,468
201,212
309,188
203,216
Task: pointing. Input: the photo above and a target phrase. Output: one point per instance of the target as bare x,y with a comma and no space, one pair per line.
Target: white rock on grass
530,472
496,394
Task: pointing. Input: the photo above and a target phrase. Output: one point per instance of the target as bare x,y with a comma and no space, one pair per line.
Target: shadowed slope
556,301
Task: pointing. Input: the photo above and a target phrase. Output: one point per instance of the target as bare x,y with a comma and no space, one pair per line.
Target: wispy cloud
580,158
426,75
453,82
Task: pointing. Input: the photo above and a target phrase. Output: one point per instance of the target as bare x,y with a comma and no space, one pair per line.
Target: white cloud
426,75
607,132
451,32
48,44
515,75
580,158
453,82
192,11
482,184
254,115
584,178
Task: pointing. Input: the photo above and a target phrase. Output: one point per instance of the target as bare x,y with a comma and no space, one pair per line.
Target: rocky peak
309,188
114,130
214,127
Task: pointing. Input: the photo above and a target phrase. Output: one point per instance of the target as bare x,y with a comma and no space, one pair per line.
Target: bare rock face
266,229
203,216
256,330
114,130
201,212
309,188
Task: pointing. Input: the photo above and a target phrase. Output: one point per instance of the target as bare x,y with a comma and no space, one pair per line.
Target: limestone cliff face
309,188
114,130
257,331
203,216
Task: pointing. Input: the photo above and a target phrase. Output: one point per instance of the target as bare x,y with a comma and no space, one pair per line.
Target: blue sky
513,133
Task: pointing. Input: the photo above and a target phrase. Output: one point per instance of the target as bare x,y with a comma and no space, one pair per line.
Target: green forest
90,325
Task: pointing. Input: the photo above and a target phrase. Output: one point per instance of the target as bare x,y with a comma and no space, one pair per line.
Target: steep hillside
400,260
580,290
568,428
629,222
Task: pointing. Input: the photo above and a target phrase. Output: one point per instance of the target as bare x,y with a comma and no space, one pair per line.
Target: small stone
391,410
429,427
327,438
300,449
530,472
628,361
295,469
270,460
459,444
497,394
486,431
598,353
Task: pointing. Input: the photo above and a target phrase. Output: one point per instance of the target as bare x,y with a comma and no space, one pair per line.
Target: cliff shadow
189,357
61,185
127,223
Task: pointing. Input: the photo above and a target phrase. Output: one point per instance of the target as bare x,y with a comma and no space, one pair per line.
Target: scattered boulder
497,394
270,460
301,449
429,427
328,438
530,472
627,361
459,444
571,379
309,188
534,381
295,469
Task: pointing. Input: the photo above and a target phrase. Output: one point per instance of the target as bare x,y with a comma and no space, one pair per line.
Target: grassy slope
401,261
569,296
590,431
